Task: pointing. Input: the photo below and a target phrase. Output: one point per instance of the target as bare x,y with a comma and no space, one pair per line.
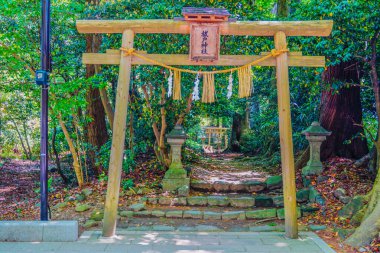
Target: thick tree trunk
96,129
339,114
370,226
340,111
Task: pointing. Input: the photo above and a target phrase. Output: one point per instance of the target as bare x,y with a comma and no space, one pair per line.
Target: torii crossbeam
280,30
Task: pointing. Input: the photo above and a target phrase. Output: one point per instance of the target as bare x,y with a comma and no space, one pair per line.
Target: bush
127,184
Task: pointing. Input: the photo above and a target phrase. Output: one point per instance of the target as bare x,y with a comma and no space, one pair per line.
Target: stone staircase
271,183
216,207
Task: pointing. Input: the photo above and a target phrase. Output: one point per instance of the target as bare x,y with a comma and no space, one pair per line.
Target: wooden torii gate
280,30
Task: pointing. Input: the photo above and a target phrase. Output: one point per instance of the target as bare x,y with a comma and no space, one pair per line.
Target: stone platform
179,242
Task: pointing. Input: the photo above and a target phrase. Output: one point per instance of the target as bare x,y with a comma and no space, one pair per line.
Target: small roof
208,11
316,129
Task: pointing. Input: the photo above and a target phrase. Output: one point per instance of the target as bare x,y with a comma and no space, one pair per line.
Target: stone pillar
315,134
176,176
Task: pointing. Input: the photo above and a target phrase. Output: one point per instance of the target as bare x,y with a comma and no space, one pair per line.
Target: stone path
178,242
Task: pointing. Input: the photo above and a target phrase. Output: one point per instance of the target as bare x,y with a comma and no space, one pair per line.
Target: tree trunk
96,129
56,155
159,130
340,112
370,226
282,8
21,140
236,132
76,164
26,138
107,106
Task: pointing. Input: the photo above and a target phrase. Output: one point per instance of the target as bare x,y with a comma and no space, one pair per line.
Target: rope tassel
208,93
230,84
177,85
245,81
170,84
196,89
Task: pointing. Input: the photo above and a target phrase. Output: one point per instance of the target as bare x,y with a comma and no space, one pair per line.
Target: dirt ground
19,196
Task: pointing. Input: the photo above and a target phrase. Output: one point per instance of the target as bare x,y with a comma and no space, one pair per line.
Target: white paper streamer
196,89
229,88
170,84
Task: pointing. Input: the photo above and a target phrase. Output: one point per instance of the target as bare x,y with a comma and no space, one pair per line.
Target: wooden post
118,138
286,142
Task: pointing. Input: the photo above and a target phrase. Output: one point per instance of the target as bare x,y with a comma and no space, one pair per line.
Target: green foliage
103,177
50,186
354,24
127,184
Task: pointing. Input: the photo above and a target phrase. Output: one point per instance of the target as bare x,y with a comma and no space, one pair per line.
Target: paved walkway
178,242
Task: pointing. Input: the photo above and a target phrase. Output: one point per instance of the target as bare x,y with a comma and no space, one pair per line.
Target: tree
96,128
341,112
355,39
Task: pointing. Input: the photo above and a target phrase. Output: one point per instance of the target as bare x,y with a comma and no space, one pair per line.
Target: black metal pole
45,67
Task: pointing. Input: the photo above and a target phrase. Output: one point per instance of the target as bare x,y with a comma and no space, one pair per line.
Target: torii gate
280,30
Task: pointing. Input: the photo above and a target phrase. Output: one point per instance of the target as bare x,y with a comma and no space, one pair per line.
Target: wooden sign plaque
204,42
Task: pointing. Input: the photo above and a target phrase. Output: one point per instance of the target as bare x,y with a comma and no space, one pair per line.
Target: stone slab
38,231
212,215
218,200
193,214
243,202
197,201
174,214
233,215
173,184
261,214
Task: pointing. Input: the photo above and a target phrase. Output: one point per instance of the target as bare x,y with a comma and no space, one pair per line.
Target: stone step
200,214
236,201
270,184
199,228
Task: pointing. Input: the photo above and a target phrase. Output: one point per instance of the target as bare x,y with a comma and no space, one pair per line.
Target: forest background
343,97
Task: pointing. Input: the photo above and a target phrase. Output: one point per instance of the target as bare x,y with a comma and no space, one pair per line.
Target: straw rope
208,93
132,51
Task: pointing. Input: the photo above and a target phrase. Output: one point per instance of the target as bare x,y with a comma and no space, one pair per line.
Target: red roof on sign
205,14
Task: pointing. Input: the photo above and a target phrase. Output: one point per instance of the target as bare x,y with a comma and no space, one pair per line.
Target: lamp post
315,134
42,79
176,176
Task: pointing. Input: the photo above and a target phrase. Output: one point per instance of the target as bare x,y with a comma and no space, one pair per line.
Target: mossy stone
218,201
281,213
60,205
274,182
97,215
263,201
197,201
82,208
90,224
303,195
261,214
137,207
126,214
349,210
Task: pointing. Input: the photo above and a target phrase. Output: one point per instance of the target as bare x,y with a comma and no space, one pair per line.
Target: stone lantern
315,134
176,176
